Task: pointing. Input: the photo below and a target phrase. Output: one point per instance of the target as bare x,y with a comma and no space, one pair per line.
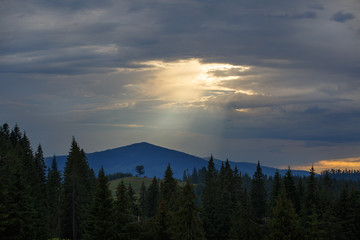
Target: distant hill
155,160
249,168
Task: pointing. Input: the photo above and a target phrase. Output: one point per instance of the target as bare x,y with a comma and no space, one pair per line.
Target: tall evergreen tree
77,193
310,218
354,201
169,190
100,222
162,223
194,177
142,200
228,195
258,200
243,225
168,204
15,136
20,224
238,188
133,207
122,212
39,188
53,189
290,188
258,193
311,193
343,211
211,214
3,207
187,221
276,187
152,198
4,177
284,224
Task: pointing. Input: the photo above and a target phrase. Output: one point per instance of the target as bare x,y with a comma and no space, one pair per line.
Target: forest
39,203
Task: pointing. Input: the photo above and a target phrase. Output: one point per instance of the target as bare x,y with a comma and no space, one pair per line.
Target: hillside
134,181
154,159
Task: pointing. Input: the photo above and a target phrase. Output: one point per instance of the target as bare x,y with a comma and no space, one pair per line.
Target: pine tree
276,187
310,218
100,222
53,189
228,196
238,188
244,226
39,189
194,177
354,201
3,207
4,176
202,175
152,198
187,222
258,200
211,214
122,212
258,193
300,191
284,224
142,200
134,208
163,225
134,228
20,223
169,190
311,193
15,136
329,226
291,190
343,211
168,204
77,193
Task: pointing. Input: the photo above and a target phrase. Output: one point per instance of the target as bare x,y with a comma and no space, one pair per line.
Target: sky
270,81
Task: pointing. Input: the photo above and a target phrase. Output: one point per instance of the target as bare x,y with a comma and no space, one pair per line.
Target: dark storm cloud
342,16
241,32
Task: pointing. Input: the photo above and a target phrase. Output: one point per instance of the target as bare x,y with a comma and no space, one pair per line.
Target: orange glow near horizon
342,164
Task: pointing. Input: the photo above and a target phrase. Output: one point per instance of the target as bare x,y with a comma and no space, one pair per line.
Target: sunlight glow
188,81
208,73
243,109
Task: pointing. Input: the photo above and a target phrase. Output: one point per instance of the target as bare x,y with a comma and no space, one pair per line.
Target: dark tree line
36,203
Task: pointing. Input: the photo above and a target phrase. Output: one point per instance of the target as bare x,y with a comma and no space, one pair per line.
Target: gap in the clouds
187,82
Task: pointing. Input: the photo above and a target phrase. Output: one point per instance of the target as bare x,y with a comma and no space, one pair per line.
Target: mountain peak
154,159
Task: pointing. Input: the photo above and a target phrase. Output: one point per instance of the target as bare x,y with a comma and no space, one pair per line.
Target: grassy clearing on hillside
134,181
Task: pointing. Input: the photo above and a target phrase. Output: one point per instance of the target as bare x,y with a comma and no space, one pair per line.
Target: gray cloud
341,16
81,63
306,14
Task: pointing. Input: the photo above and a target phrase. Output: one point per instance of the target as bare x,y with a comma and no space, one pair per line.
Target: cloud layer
280,75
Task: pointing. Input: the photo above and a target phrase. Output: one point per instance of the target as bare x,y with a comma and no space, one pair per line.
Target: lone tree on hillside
140,169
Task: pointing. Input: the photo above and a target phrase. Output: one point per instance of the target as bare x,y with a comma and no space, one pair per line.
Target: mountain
155,160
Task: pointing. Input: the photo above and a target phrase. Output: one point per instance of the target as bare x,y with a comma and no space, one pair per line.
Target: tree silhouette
140,169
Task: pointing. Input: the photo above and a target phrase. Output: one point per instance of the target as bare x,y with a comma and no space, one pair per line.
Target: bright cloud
187,81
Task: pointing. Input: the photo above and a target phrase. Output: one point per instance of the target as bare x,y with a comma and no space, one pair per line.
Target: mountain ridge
155,160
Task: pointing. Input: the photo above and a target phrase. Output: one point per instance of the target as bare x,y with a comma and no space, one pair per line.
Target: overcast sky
270,81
